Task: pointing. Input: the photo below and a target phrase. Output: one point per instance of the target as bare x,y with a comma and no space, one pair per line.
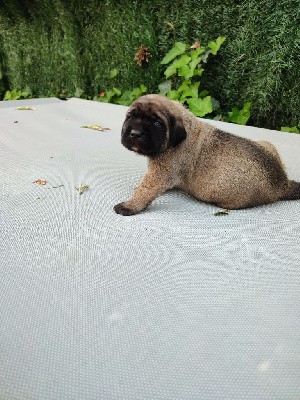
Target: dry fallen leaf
40,182
96,127
142,55
170,25
195,45
82,188
25,108
222,212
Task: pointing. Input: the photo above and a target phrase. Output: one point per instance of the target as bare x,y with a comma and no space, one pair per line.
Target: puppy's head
152,126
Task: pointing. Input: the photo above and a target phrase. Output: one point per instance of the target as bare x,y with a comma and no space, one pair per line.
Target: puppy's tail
292,192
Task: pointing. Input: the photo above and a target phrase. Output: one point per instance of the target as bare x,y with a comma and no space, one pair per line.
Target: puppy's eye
128,116
157,121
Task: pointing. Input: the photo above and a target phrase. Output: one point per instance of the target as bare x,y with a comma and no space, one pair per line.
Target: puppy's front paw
121,209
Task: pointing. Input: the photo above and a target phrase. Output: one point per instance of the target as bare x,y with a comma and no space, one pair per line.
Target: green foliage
239,116
178,49
113,73
116,96
129,96
215,46
185,66
291,129
17,94
74,43
200,107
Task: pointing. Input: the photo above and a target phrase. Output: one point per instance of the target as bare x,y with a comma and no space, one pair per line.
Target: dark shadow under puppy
213,166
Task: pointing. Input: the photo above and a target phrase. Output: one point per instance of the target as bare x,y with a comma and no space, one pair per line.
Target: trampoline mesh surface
173,303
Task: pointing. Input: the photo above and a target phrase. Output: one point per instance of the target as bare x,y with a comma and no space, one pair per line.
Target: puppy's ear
177,131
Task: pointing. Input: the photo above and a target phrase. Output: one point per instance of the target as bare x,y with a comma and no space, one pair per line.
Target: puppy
209,164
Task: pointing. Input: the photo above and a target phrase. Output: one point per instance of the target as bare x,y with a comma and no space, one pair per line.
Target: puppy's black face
144,132
150,129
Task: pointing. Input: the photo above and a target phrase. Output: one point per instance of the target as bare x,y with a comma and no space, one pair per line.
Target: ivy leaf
215,45
178,64
198,72
200,107
78,92
291,129
113,73
12,95
193,64
203,93
129,96
205,56
184,86
109,96
185,71
239,116
188,89
196,53
165,87
173,95
26,92
215,104
178,49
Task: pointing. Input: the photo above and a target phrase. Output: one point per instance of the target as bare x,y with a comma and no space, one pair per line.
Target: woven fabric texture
173,303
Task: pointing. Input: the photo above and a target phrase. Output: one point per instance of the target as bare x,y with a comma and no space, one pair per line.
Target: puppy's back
234,172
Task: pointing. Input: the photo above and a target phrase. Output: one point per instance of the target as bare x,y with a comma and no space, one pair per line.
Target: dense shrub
62,45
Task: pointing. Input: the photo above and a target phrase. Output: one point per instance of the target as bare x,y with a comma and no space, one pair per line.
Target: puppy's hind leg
272,149
292,192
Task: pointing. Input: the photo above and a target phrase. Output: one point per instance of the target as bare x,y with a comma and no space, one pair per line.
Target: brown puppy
211,165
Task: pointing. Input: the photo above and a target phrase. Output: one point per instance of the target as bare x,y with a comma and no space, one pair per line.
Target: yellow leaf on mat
95,127
82,188
222,212
25,108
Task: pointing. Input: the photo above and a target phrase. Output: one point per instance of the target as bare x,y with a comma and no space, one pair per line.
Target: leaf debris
96,127
142,55
195,45
222,212
26,108
40,182
82,188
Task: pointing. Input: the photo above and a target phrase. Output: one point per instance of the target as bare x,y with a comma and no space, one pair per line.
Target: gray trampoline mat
173,303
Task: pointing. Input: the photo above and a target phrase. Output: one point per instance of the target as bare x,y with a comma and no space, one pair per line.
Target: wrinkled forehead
143,108
149,108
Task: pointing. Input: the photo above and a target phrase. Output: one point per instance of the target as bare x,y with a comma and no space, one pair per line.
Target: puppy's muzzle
135,134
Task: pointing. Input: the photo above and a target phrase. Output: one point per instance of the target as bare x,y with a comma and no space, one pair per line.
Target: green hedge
64,44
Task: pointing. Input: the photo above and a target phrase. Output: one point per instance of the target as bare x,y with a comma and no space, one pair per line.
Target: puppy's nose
135,133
